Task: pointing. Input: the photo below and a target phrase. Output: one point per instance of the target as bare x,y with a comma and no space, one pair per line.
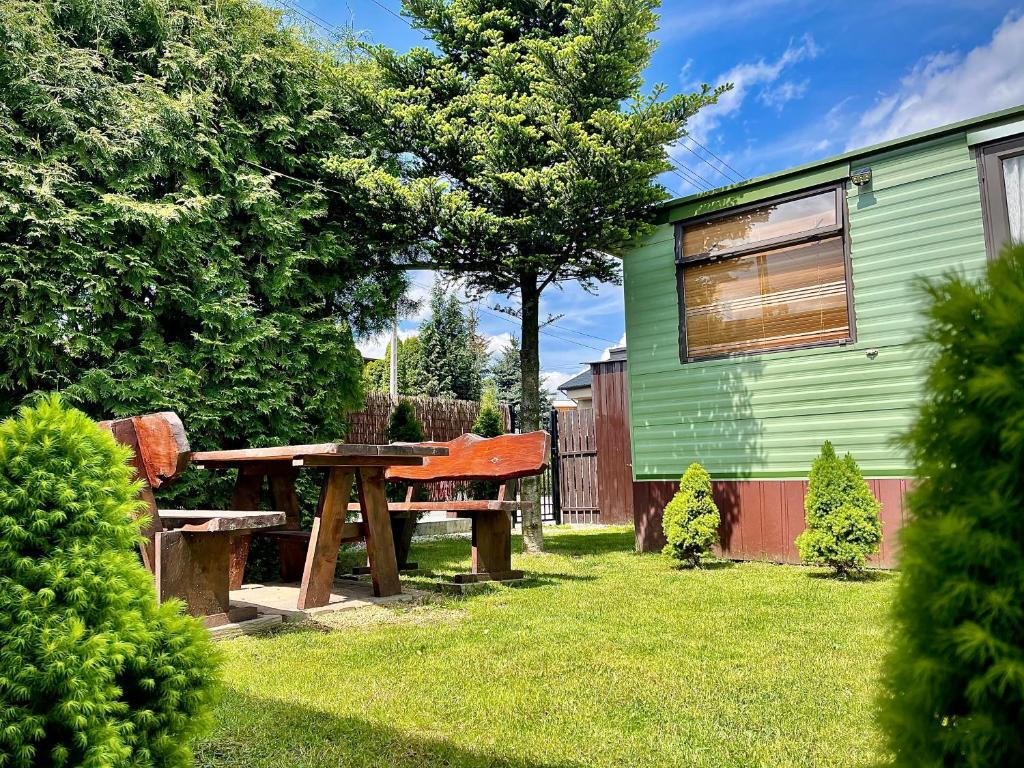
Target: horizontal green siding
765,416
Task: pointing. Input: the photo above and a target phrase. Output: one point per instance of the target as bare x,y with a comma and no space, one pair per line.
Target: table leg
325,540
380,542
245,496
291,554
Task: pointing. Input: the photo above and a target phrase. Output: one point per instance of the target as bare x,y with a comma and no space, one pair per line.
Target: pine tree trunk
529,358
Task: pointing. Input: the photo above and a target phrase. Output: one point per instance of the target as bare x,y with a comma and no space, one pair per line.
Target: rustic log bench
187,551
473,458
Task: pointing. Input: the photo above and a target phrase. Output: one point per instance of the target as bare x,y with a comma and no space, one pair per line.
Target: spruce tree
488,421
451,366
507,374
954,678
93,672
691,519
841,513
534,123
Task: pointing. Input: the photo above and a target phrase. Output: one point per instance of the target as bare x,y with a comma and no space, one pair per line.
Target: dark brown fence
577,467
441,419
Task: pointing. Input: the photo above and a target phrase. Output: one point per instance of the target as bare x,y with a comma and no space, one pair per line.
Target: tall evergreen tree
534,117
507,374
954,679
182,222
451,364
377,373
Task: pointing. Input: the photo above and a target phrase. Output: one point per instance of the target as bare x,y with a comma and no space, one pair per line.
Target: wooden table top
320,454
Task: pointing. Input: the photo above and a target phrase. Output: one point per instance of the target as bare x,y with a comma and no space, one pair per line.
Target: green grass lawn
603,658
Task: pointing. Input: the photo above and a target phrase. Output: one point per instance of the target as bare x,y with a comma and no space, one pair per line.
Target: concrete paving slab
280,599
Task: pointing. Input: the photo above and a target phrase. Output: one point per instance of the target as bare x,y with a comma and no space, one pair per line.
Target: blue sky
811,79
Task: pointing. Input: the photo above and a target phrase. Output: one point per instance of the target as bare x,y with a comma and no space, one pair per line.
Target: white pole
393,373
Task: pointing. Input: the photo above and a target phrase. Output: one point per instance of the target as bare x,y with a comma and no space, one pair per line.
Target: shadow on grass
268,732
579,544
707,565
864,577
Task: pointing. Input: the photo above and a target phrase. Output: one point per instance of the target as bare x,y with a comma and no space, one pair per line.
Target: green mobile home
769,316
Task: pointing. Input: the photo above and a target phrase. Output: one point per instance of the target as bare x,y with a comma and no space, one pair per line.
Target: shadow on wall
717,428
267,733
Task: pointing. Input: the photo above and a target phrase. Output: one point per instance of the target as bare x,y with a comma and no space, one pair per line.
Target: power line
689,170
719,159
708,163
544,331
312,18
396,15
692,181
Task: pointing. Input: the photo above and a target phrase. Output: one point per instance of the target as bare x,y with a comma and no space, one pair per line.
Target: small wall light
872,354
861,176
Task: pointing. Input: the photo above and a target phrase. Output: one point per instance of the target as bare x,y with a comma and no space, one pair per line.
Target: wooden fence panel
577,456
442,419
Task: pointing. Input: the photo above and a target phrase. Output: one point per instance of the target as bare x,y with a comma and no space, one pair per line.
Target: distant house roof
579,381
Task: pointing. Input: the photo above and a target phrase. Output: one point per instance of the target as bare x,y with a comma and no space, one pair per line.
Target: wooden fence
442,419
577,467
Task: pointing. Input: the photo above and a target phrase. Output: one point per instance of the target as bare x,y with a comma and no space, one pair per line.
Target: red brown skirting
761,518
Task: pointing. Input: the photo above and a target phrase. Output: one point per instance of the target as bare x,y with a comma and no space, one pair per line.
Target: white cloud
745,78
949,86
779,95
706,16
375,347
552,380
763,78
497,342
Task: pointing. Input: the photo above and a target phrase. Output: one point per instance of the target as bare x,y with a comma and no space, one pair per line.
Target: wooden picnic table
345,463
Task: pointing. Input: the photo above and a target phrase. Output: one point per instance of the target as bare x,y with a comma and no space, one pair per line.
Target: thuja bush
93,672
404,426
841,512
691,518
954,678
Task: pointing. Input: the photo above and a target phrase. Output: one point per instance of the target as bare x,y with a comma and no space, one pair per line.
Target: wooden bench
187,551
474,458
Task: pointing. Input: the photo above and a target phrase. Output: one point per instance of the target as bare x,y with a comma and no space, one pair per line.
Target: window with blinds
769,277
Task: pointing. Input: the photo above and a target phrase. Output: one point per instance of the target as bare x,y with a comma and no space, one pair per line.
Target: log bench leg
291,554
492,549
193,567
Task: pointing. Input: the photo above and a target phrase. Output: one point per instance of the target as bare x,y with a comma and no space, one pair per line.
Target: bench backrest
471,457
158,442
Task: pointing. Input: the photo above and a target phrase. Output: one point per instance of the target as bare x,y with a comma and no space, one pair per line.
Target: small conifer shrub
843,529
953,682
488,424
691,519
404,425
488,421
93,672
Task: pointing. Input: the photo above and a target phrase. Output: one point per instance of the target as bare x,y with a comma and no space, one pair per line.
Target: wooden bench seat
188,551
473,458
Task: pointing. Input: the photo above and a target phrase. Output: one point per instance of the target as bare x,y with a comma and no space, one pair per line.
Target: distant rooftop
579,381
